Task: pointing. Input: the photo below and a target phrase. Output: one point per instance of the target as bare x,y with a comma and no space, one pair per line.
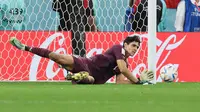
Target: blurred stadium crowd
107,15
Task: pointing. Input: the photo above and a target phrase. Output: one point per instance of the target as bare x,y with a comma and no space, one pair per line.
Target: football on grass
168,73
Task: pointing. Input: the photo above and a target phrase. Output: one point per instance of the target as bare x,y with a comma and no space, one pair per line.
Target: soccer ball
168,73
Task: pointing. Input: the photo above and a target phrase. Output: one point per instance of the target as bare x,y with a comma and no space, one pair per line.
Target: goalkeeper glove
146,75
143,82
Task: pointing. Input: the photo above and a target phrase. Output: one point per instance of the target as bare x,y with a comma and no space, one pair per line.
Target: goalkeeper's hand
146,75
143,82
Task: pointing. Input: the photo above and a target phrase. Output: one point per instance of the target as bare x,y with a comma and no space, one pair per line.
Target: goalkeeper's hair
132,38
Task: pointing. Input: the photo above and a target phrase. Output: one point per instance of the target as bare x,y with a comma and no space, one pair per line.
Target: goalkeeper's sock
39,51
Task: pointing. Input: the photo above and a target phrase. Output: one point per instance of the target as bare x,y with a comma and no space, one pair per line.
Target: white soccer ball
168,73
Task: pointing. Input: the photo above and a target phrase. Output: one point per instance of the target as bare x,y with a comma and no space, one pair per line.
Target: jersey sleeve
118,52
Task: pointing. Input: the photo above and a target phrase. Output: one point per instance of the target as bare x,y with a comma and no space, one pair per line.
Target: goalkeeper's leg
67,61
64,60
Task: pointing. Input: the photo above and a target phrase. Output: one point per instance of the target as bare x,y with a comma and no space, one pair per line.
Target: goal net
37,23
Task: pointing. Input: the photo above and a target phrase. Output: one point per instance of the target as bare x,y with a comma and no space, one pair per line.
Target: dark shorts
86,64
81,64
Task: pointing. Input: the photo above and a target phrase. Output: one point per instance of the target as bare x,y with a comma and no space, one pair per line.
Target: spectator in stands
161,24
172,3
76,16
188,16
12,15
130,11
138,15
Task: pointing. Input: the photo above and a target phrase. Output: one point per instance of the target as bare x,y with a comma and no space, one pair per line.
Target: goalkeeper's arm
120,79
145,75
124,70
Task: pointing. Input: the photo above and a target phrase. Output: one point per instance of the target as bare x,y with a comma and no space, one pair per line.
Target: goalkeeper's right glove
143,82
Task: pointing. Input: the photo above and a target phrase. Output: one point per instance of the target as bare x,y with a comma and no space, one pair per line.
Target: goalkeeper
99,68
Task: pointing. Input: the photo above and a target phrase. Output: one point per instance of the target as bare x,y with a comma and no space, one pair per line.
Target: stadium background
61,96
108,13
41,23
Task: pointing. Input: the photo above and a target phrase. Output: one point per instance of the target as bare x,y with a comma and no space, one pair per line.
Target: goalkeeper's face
131,48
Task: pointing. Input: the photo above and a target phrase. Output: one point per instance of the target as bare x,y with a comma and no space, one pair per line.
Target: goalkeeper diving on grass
99,68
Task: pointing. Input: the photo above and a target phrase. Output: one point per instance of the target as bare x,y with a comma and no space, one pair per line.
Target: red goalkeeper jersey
101,66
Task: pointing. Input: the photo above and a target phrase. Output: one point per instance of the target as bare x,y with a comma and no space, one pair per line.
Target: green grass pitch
64,97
